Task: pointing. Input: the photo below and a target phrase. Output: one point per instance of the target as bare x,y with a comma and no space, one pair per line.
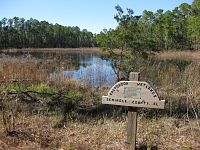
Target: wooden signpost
133,94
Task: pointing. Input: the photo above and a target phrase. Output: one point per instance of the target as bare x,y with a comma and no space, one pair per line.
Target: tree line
20,33
136,36
178,29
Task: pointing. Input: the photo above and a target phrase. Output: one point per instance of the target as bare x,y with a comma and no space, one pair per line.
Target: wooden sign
133,93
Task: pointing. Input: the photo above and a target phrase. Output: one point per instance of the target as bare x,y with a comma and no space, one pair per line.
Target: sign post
134,94
132,118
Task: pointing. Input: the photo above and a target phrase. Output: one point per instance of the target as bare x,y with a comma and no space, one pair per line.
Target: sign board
133,93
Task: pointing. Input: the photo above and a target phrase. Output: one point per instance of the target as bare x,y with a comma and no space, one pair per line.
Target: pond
90,68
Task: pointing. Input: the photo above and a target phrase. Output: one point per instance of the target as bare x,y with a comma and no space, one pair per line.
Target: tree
19,33
193,23
124,43
196,7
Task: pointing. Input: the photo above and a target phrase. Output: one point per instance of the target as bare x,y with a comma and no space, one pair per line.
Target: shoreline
187,55
95,50
162,55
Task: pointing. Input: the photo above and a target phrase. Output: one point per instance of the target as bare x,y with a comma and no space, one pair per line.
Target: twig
195,113
35,92
14,80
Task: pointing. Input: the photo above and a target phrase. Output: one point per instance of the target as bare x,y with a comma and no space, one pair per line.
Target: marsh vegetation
33,99
51,98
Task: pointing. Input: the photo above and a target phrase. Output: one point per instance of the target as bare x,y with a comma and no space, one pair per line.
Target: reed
22,70
175,81
181,55
177,127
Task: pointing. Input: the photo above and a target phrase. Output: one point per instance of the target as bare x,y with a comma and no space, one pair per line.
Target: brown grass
37,132
166,133
75,50
26,69
30,69
180,55
180,87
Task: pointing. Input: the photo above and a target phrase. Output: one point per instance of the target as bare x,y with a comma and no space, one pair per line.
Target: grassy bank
75,50
180,55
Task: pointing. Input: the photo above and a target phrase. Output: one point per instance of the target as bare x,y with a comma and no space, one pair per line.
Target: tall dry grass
176,83
38,132
92,50
22,70
180,55
33,70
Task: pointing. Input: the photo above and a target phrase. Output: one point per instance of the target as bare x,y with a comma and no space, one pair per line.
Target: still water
90,68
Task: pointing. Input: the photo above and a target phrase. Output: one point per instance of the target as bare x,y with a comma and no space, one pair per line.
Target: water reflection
90,68
96,71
